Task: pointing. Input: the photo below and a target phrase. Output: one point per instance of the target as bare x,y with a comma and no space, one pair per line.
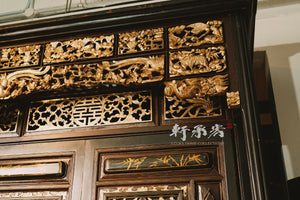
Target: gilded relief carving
123,72
194,88
39,195
78,49
118,108
161,162
193,98
233,99
20,56
145,196
9,116
195,34
145,40
197,61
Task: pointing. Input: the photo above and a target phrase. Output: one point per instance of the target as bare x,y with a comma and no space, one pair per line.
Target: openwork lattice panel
151,192
42,195
78,49
131,107
197,61
145,40
20,56
122,72
9,116
195,34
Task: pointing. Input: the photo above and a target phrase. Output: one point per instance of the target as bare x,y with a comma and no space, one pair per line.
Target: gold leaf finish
78,49
20,56
233,99
195,34
123,72
194,88
197,61
145,40
119,108
9,116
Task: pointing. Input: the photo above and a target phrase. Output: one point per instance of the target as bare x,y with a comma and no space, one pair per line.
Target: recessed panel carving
159,162
38,195
99,110
145,40
197,61
209,192
78,49
20,56
195,34
9,115
123,72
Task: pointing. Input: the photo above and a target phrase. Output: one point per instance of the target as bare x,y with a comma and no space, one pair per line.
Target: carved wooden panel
166,192
145,40
196,34
170,162
99,110
158,162
197,61
36,195
194,97
78,49
233,99
9,116
123,72
20,56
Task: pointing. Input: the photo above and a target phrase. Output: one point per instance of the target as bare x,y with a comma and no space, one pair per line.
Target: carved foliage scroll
145,40
160,162
123,72
195,34
20,56
192,98
90,111
197,61
233,99
78,49
9,115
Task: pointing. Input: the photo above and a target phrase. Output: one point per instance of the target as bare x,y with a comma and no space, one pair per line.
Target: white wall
278,32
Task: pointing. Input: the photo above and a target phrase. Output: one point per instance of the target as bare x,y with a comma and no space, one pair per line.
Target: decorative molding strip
40,195
145,40
79,49
233,99
123,72
195,34
197,61
159,162
9,116
37,170
20,56
100,110
180,190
